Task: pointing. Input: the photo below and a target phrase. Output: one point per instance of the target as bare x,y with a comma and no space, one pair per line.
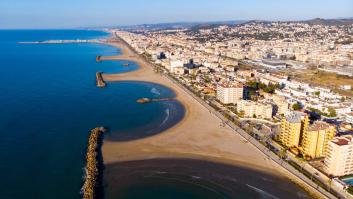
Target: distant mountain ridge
329,22
316,21
178,25
208,25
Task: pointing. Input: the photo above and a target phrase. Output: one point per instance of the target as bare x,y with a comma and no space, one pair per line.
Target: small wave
196,177
263,193
167,111
160,172
155,91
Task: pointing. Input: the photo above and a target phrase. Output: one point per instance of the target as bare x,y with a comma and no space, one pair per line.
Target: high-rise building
292,126
339,158
315,139
230,93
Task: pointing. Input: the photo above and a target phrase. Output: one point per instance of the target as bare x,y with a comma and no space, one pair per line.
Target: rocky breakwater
93,170
99,80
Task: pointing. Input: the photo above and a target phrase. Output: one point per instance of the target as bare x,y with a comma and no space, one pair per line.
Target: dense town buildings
238,66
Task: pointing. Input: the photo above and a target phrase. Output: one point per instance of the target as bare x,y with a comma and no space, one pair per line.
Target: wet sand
198,136
186,178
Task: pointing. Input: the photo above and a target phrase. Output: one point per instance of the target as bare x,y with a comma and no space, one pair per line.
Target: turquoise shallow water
49,103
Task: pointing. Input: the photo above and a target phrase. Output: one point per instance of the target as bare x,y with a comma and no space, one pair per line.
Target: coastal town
176,99
287,84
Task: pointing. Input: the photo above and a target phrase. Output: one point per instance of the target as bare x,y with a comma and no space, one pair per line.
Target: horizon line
175,22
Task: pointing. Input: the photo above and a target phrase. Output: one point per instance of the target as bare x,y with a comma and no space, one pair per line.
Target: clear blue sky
79,13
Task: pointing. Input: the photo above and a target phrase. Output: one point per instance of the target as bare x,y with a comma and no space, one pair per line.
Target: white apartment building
349,117
230,93
339,159
258,109
173,64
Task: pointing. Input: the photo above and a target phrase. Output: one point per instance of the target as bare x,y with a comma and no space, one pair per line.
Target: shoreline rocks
93,164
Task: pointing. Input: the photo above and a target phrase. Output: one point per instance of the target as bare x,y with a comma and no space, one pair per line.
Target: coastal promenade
199,135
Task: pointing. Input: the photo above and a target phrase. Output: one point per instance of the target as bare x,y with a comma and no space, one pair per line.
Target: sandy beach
198,136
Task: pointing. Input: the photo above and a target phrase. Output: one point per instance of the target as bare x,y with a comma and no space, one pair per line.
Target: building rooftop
231,85
343,140
295,116
318,125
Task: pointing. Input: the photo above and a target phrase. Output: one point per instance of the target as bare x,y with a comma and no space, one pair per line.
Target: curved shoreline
197,136
146,74
216,179
175,108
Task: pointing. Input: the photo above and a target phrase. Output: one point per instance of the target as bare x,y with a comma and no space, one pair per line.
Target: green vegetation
332,112
296,106
350,190
270,88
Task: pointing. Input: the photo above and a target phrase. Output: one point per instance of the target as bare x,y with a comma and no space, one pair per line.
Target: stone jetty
93,165
99,80
147,100
63,41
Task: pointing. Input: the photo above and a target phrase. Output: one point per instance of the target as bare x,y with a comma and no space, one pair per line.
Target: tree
296,106
332,112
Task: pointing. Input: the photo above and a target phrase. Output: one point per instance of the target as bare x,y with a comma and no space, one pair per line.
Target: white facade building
349,117
173,64
258,109
230,93
339,159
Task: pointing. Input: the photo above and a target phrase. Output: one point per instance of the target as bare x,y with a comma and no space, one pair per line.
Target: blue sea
49,103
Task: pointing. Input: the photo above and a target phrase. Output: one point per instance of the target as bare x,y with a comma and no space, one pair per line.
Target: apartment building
230,93
292,126
315,139
349,117
339,159
257,109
